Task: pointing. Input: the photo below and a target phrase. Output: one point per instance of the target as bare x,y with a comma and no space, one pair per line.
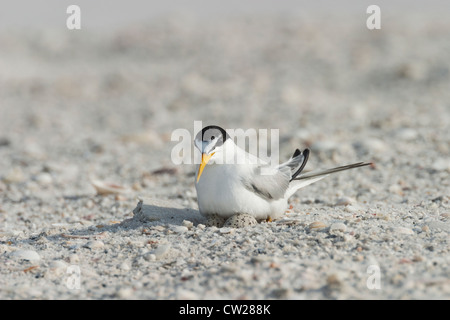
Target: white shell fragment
226,230
338,226
161,251
28,255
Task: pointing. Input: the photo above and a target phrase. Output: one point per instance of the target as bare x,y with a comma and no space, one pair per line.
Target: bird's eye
212,137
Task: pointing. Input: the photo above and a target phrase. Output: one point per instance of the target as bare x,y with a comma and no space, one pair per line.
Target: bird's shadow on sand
158,213
167,214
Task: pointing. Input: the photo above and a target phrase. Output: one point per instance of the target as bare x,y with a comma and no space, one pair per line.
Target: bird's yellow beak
205,159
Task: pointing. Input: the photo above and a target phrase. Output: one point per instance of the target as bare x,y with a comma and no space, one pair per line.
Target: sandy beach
95,107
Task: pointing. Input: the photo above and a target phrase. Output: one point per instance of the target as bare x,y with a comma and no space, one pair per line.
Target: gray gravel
82,106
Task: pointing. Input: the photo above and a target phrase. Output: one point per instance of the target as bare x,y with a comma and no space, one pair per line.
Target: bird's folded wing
268,186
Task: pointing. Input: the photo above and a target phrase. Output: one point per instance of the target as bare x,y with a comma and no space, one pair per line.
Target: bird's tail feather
314,174
310,177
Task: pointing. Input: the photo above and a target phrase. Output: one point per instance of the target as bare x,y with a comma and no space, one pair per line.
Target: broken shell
14,176
104,188
95,245
402,230
316,225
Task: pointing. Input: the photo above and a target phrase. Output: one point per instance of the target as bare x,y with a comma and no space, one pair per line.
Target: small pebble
74,258
334,281
58,264
179,229
348,238
149,257
281,293
161,251
44,178
358,258
344,201
352,208
226,230
94,245
338,226
58,267
441,165
125,293
125,266
406,134
397,189
188,224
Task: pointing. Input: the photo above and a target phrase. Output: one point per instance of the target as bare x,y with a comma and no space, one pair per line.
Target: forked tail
314,174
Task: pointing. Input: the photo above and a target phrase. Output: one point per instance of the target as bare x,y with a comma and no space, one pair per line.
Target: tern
228,188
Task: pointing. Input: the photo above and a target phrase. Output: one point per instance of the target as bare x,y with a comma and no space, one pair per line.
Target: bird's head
210,142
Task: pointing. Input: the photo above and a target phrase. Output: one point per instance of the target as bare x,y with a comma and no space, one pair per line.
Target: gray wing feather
269,187
293,163
296,163
274,186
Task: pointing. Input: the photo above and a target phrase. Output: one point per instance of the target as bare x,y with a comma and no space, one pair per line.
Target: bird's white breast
220,191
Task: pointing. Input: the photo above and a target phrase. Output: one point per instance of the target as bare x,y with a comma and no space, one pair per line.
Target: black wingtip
306,156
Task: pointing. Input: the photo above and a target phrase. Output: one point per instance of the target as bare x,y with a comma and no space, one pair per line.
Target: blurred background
82,109
103,101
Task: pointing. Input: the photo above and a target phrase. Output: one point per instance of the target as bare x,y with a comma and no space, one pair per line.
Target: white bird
225,189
